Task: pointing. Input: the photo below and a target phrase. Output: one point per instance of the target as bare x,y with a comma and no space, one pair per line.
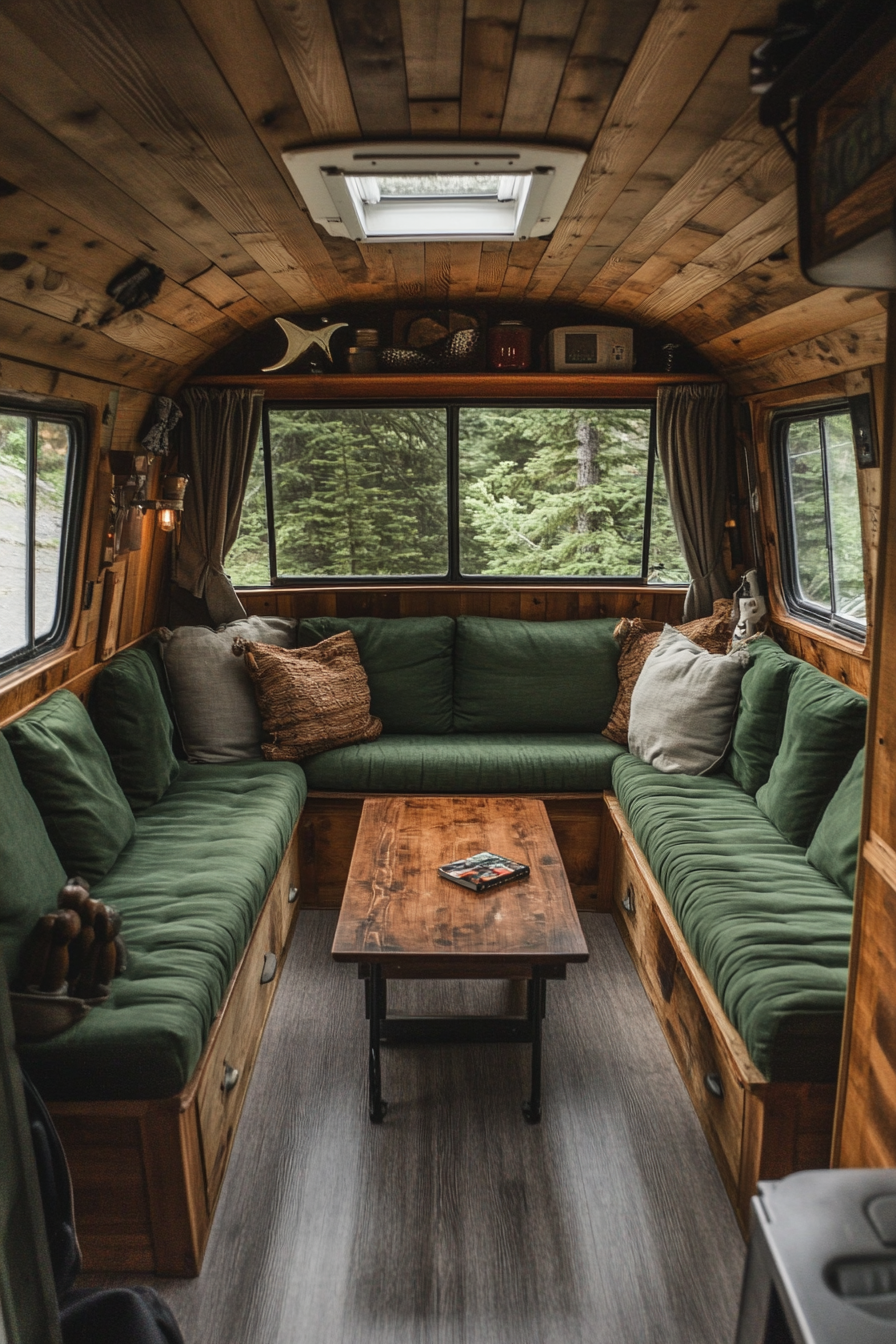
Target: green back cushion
30,872
152,647
824,727
67,771
409,666
133,723
534,676
760,717
835,845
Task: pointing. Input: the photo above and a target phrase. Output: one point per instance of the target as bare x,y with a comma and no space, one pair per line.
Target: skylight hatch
415,193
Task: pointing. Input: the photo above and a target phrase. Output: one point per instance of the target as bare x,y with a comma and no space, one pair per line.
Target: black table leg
377,1106
537,986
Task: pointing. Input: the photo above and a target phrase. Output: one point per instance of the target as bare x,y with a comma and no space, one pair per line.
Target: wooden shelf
455,386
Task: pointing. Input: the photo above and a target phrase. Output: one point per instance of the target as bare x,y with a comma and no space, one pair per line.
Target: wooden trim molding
527,601
455,386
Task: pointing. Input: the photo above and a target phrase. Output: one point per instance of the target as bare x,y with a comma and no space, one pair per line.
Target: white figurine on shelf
298,341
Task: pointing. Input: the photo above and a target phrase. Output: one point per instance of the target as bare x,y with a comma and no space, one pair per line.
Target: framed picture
846,166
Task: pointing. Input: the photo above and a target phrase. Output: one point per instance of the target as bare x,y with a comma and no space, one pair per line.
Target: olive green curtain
694,441
219,434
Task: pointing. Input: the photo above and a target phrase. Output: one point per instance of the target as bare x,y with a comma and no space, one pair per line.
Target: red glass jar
510,347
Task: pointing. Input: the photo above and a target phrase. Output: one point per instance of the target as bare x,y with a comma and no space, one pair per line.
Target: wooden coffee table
400,920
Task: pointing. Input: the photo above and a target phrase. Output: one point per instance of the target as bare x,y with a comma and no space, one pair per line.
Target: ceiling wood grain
155,131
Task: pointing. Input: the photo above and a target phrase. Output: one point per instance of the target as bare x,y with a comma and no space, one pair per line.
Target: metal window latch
628,900
269,969
714,1085
231,1077
293,895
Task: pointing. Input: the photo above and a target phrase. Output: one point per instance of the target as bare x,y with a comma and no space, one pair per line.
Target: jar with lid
362,357
510,346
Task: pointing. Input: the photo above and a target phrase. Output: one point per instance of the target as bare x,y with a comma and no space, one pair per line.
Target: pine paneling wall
865,1132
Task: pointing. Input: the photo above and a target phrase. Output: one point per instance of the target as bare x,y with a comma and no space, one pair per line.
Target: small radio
590,350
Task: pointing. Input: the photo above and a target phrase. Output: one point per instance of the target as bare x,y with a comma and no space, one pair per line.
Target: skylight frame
330,182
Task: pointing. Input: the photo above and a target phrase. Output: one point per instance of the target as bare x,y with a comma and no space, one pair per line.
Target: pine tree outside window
820,520
457,493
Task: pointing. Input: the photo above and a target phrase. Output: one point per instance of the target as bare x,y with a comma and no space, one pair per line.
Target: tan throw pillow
310,699
637,640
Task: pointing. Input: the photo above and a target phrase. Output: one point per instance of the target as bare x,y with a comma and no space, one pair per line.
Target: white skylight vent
430,193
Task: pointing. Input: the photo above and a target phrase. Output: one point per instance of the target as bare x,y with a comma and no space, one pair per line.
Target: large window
821,527
469,492
38,480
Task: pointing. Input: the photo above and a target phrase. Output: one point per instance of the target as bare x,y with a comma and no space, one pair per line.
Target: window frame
454,577
795,604
69,546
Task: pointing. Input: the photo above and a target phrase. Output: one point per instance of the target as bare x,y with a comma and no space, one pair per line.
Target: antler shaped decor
298,341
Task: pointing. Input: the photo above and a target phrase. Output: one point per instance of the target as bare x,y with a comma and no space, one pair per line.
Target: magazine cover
483,871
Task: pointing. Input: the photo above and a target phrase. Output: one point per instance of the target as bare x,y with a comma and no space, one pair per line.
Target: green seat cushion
67,771
759,726
409,665
834,850
468,763
769,930
189,887
824,727
133,723
30,873
534,676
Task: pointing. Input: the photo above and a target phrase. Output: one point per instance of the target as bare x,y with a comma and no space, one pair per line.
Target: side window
39,472
821,531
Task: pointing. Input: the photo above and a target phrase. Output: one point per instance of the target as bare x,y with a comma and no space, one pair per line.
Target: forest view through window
541,492
36,491
825,569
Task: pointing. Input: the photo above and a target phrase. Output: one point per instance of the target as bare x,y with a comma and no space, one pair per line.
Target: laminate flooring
455,1222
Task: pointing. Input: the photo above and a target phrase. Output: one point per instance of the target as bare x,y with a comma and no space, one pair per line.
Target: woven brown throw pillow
637,639
310,699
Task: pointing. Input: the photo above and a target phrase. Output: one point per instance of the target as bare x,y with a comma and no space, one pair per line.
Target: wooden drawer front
634,908
220,1095
702,1059
283,910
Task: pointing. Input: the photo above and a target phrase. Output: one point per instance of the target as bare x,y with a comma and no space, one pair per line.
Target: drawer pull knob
293,895
269,969
714,1085
231,1077
628,900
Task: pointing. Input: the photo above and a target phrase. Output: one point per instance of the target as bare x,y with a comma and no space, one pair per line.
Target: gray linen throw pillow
683,705
214,702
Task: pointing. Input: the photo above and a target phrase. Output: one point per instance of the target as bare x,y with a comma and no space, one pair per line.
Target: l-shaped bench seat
741,942
147,1088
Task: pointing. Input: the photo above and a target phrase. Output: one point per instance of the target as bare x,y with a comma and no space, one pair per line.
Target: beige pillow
637,640
311,700
214,706
684,704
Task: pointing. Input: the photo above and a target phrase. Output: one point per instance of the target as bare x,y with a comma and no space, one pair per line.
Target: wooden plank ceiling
155,129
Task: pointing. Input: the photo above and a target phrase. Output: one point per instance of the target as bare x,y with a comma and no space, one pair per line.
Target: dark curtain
694,441
218,443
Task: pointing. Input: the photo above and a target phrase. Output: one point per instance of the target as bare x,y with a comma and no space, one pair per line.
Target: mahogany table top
397,911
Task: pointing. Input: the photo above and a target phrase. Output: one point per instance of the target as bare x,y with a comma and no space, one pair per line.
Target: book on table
482,872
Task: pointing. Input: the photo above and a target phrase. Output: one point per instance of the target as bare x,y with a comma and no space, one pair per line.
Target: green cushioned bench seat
189,885
769,930
468,763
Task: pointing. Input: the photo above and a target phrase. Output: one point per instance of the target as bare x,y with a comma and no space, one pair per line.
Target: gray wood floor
455,1222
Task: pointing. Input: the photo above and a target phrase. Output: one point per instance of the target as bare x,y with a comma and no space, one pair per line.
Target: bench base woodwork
147,1174
329,825
757,1130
